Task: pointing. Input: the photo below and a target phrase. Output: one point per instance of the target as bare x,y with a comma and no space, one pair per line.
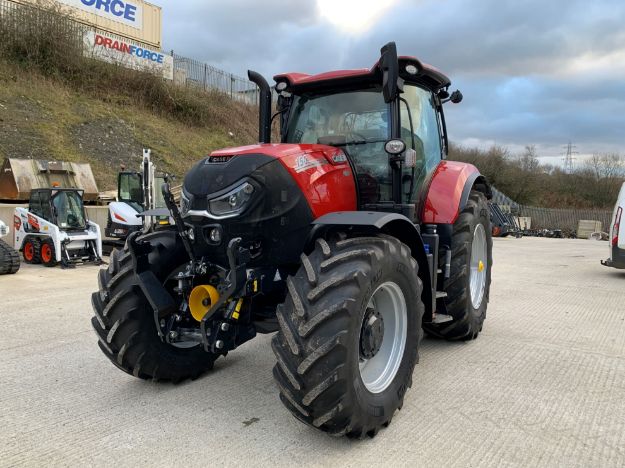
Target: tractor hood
312,168
275,150
265,194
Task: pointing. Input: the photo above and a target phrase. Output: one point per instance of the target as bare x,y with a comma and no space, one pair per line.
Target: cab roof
427,75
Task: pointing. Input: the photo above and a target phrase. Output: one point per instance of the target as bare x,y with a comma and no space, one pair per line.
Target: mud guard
161,301
449,191
393,224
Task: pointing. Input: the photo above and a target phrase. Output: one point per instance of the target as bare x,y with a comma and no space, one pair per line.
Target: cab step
442,318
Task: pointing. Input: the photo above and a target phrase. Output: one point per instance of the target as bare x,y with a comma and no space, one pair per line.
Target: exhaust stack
264,111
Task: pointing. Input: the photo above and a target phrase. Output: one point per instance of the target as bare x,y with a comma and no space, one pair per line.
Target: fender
393,224
449,191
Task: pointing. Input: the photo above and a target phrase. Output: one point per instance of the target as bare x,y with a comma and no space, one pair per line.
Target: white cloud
353,16
532,72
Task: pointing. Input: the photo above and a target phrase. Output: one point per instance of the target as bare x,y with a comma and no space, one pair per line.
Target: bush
526,181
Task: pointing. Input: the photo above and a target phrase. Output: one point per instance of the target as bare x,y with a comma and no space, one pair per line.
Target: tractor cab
62,207
388,120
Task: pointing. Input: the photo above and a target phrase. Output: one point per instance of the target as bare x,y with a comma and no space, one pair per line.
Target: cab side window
46,212
420,131
425,125
34,205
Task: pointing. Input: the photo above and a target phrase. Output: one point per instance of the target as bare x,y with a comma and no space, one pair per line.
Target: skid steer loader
54,229
348,237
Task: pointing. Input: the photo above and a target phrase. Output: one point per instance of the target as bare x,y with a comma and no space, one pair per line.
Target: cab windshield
358,122
68,209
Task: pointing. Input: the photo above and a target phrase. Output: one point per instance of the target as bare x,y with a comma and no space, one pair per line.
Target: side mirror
390,71
456,97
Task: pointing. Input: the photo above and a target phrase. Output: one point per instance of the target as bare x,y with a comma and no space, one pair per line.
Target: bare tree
528,160
606,166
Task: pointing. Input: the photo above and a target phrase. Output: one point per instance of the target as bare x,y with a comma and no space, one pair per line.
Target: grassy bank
57,104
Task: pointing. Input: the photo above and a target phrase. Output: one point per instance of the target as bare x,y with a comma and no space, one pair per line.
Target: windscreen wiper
358,142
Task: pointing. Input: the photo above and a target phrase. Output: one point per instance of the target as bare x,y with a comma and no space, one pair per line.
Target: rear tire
320,368
124,320
9,259
468,310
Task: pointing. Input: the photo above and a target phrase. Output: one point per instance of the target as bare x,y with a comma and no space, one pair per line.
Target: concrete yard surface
544,384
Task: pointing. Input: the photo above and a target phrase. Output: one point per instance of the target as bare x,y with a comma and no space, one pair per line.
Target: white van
617,234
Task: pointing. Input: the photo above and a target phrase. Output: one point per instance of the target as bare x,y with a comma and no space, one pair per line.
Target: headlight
233,202
395,147
185,203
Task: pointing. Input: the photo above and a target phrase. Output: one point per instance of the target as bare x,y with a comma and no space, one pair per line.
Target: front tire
48,253
330,332
31,250
124,320
468,286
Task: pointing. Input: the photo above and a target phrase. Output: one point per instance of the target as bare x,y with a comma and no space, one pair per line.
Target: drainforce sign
114,50
122,11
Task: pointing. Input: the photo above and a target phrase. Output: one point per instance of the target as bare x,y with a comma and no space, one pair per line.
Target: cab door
130,189
420,130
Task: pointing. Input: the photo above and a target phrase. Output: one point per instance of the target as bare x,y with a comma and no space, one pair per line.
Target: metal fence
19,17
187,71
201,75
564,219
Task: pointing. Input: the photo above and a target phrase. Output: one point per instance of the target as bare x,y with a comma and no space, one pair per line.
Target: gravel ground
544,384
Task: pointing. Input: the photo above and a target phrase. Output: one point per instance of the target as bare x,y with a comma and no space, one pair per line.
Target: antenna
568,158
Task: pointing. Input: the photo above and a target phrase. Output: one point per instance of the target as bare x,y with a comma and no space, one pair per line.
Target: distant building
127,32
135,20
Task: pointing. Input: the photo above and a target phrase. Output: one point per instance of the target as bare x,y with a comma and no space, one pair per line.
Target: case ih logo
133,50
218,159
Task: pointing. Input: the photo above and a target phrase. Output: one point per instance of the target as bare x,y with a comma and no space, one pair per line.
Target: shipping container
133,19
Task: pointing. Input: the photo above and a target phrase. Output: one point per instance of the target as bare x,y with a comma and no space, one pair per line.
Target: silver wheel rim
378,372
478,266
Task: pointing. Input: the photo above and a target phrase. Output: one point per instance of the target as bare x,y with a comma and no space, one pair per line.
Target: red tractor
348,238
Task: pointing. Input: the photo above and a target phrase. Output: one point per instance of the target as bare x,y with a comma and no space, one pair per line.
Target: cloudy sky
533,72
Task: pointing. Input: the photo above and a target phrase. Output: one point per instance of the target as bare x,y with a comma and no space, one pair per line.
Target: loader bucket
19,176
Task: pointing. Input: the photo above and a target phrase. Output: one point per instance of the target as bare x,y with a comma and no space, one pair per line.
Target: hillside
45,118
